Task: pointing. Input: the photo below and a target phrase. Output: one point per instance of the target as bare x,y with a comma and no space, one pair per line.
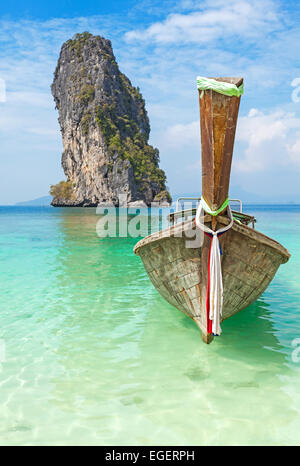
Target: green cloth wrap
208,210
204,84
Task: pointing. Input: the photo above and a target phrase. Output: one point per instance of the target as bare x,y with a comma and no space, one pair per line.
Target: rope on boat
214,297
204,84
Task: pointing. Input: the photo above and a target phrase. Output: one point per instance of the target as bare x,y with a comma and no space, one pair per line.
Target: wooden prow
218,118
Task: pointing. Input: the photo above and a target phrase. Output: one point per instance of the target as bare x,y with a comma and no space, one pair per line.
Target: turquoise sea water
94,355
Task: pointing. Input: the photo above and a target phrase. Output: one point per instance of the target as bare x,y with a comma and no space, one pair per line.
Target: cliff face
105,130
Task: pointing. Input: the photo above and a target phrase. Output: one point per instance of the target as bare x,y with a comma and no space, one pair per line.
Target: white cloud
294,151
254,131
32,99
180,136
267,140
212,21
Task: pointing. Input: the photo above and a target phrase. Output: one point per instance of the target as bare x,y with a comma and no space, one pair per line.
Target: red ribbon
209,321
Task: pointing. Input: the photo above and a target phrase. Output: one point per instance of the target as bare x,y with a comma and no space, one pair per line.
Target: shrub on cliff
62,190
163,196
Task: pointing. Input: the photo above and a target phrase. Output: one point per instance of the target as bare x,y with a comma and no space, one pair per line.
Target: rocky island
105,130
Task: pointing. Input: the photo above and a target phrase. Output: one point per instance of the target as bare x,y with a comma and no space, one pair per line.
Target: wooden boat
249,258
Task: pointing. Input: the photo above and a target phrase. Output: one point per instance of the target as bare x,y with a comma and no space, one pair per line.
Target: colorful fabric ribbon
214,301
209,211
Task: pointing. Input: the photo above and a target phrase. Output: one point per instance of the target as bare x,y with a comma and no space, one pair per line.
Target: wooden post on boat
218,118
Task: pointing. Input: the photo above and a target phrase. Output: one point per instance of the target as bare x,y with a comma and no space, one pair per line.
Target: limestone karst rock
105,130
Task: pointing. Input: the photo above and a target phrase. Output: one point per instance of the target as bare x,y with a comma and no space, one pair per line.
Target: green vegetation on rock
85,121
62,190
163,195
77,43
86,94
80,40
122,135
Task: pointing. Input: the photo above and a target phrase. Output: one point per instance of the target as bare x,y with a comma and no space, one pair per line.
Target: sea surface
92,354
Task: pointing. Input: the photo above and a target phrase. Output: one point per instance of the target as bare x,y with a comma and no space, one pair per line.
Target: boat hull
179,273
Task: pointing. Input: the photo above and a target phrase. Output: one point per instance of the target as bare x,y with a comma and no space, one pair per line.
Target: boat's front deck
182,215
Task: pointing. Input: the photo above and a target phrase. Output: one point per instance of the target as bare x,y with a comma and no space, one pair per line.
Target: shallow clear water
94,355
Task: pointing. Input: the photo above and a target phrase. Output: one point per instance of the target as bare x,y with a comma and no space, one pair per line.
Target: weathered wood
250,261
218,118
207,338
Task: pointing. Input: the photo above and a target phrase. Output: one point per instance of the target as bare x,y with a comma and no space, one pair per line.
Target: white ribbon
215,271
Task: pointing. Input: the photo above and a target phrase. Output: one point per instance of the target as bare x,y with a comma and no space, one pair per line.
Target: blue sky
162,46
